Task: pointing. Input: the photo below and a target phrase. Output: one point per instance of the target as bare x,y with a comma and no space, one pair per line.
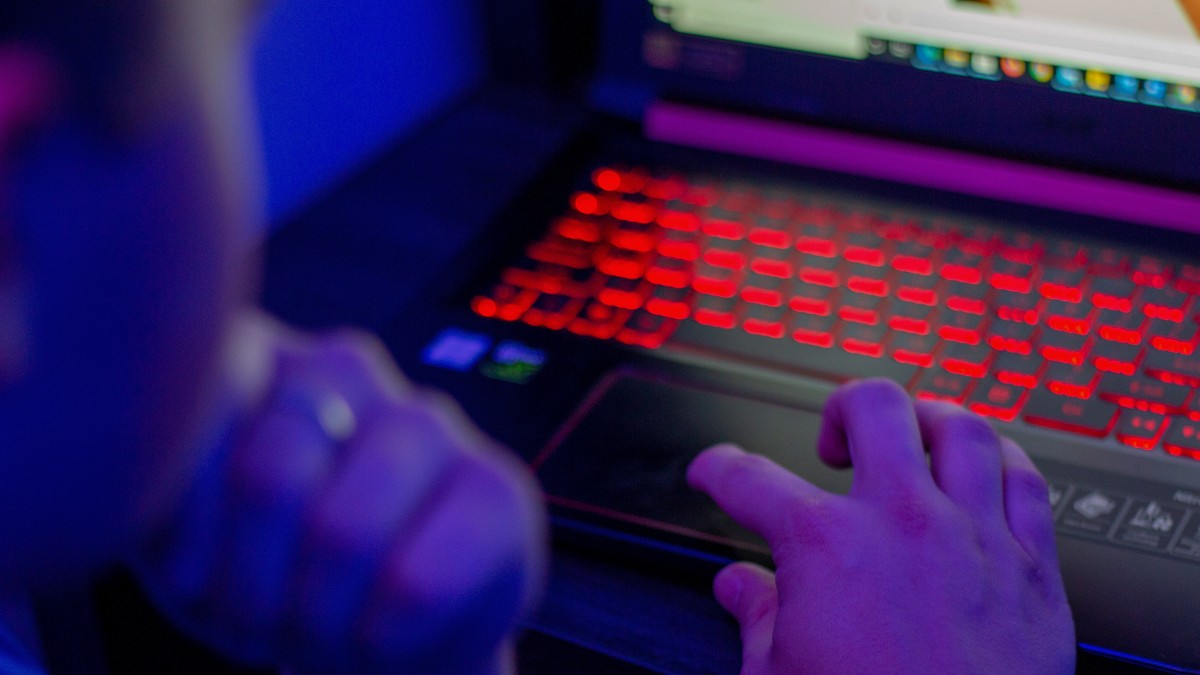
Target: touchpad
624,454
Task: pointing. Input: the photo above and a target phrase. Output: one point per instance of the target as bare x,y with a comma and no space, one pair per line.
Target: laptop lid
1106,88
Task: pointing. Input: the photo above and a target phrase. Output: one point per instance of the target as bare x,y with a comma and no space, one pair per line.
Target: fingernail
731,584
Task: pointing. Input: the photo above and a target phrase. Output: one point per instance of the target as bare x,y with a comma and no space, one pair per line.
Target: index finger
871,425
755,491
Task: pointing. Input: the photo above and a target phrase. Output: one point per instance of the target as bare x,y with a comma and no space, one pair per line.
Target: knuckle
964,426
915,517
340,537
1027,483
818,522
414,422
354,350
875,393
445,412
352,341
269,479
508,487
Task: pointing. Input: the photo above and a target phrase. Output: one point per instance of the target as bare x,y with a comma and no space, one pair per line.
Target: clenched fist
351,523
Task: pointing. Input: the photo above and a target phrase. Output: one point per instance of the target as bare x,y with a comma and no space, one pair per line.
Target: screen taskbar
998,68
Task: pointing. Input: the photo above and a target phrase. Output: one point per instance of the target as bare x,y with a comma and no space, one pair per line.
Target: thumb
747,591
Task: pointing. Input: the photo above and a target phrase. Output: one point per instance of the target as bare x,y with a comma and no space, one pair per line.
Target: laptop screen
1106,87
1145,52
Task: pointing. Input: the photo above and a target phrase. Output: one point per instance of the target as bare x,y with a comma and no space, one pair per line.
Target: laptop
991,202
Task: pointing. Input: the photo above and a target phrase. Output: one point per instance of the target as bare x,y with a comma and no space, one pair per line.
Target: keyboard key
969,360
961,327
1012,268
765,328
1143,393
1066,253
624,293
646,330
864,239
1170,367
719,228
1167,304
1021,370
1063,277
1011,336
1066,310
1168,336
1068,380
599,321
966,274
940,385
1107,260
1147,270
1115,293
864,333
731,259
1020,247
910,310
622,263
1090,417
1115,357
670,303
997,399
552,311
815,324
863,255
718,281
816,246
765,311
1183,438
914,348
767,281
957,289
1140,429
816,276
810,357
913,262
1187,279
1020,307
1064,347
962,258
1126,327
670,272
917,278
771,235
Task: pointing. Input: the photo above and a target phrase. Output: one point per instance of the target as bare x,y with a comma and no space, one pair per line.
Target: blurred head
129,191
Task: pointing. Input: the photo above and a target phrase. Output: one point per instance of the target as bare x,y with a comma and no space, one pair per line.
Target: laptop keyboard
1081,338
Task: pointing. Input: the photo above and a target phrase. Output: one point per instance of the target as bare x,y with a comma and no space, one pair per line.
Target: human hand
352,524
945,567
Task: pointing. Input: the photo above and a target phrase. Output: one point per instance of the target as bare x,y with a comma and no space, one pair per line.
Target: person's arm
940,560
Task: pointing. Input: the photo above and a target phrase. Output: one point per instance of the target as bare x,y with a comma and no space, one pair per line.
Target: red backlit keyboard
1072,336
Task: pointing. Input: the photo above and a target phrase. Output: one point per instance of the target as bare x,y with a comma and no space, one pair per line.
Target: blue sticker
456,349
